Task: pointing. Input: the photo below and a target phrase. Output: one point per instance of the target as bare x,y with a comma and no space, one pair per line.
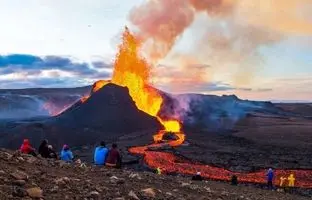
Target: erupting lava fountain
133,72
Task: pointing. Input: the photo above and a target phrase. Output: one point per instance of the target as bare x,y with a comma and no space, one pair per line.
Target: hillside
26,177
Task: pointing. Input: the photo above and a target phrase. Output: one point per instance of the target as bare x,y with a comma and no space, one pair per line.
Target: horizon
264,100
56,44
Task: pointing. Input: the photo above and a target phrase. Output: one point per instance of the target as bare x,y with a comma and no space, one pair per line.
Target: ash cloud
235,30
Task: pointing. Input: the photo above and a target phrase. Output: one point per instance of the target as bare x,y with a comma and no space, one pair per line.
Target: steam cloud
234,29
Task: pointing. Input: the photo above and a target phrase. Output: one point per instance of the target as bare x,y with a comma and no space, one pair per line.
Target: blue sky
71,43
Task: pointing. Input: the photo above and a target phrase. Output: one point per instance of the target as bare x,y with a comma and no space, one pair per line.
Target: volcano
111,110
107,114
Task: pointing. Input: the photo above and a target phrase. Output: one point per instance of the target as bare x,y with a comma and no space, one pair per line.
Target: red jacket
113,157
26,147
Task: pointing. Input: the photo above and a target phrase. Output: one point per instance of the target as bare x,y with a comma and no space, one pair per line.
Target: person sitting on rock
100,154
66,154
43,149
113,157
27,148
197,177
52,153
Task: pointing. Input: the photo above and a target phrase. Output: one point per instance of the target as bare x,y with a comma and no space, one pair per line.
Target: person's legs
270,185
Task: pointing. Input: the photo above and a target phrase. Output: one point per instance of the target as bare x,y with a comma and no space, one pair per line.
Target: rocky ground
26,177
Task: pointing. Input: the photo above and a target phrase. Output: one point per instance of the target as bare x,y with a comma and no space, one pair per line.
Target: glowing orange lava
98,85
133,72
170,163
84,98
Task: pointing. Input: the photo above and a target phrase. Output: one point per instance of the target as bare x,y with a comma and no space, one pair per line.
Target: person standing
270,177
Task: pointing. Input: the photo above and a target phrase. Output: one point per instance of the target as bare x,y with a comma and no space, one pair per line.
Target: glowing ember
84,99
98,85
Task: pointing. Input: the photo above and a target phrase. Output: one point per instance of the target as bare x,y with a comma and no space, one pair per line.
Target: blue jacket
270,175
67,155
100,155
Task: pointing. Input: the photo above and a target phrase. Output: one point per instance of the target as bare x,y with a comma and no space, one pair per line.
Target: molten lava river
133,72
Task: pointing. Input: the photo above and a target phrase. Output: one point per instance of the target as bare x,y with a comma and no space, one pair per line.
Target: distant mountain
35,102
111,113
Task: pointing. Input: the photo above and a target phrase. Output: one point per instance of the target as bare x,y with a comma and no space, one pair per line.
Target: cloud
102,65
24,70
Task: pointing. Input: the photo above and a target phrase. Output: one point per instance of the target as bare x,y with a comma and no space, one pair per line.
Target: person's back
26,147
66,154
100,154
270,175
43,149
52,153
113,158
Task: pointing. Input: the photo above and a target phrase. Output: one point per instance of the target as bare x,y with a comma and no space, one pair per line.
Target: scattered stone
19,182
135,175
54,189
5,156
21,159
35,192
94,195
185,184
169,194
62,181
2,172
18,175
149,192
19,192
116,180
224,193
31,160
208,189
133,195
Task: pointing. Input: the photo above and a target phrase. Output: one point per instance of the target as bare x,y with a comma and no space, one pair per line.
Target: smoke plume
234,30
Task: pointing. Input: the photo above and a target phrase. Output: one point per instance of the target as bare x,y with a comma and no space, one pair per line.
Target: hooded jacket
66,154
270,175
113,157
26,147
100,155
44,150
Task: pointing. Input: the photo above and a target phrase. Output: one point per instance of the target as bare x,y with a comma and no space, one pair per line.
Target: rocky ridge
27,177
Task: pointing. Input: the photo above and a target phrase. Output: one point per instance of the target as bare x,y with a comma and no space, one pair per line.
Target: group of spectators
102,155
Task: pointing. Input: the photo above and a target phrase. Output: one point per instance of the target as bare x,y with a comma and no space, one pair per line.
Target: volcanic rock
96,182
19,182
149,192
132,195
18,175
34,192
19,192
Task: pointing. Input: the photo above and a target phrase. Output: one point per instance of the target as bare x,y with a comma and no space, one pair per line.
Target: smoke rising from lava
234,30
